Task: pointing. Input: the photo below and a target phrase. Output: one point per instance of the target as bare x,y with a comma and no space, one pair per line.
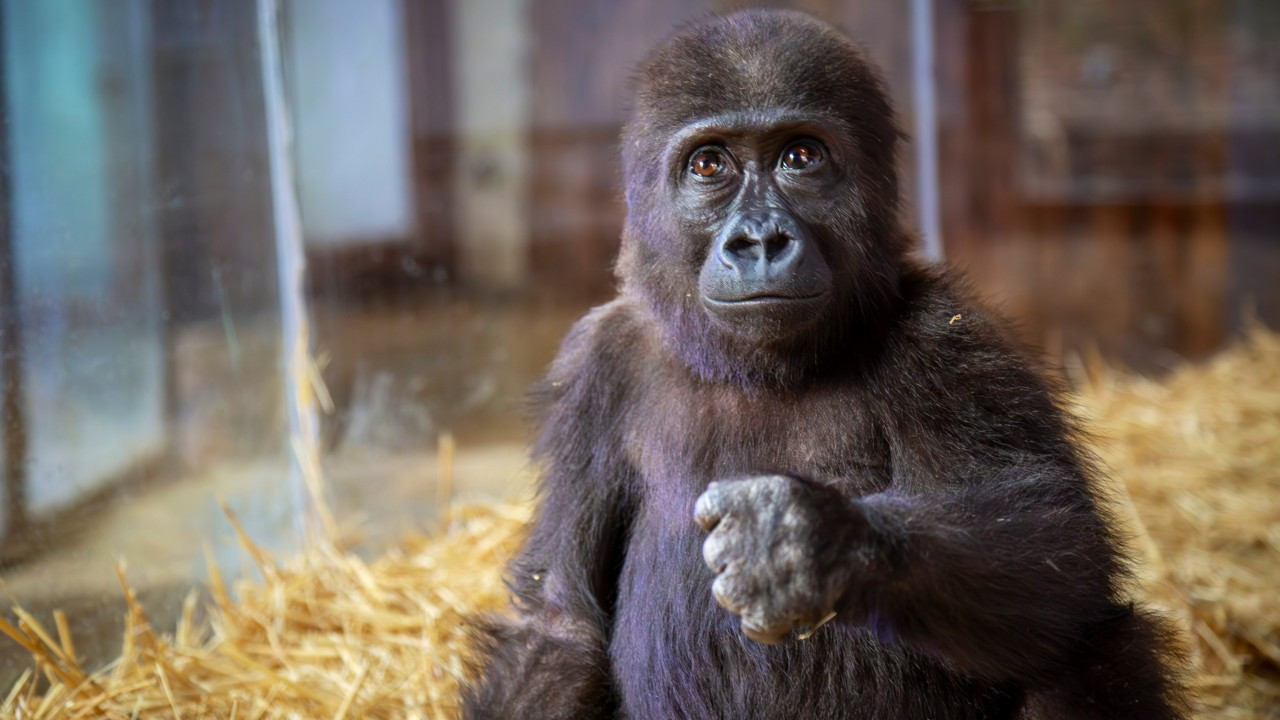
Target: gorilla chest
675,652
701,435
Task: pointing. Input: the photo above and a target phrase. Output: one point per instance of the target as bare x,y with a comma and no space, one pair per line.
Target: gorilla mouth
762,299
766,314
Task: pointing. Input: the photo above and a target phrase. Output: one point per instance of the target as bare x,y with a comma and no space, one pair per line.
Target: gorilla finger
711,505
729,590
716,549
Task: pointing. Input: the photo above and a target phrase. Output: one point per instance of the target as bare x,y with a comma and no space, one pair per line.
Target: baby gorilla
790,472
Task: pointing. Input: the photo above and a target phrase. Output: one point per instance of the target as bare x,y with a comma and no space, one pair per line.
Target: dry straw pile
325,635
1197,460
329,635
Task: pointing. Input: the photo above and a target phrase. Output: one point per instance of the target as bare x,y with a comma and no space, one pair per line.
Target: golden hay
1197,459
329,635
325,635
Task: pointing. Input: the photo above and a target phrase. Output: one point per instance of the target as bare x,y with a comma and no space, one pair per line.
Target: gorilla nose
762,248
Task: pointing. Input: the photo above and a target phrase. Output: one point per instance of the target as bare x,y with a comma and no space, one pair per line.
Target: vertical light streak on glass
299,374
924,88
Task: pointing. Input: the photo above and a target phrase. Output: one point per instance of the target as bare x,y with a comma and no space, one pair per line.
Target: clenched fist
784,551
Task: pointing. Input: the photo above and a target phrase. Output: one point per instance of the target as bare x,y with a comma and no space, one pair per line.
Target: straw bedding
1196,458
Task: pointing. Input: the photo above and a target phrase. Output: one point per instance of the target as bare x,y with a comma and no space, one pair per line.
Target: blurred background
1109,174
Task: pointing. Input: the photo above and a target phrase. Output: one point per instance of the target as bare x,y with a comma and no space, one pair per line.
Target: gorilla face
746,191
762,196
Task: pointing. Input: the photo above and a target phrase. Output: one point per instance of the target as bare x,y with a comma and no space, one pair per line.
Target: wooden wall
584,52
1088,178
1109,171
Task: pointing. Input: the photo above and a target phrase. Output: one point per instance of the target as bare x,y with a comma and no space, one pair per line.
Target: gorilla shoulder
600,349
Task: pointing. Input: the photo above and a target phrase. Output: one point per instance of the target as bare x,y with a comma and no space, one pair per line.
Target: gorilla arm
551,660
989,549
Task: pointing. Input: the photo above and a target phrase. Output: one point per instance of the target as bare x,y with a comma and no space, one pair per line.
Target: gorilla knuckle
709,508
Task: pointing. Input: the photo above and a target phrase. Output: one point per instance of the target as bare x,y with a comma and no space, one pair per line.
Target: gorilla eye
706,163
801,156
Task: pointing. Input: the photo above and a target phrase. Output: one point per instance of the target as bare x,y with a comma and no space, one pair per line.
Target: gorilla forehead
753,60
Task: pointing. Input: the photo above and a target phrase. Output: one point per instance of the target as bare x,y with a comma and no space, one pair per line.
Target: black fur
898,465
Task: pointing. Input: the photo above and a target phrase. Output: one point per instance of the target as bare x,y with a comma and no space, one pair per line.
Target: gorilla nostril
740,248
775,246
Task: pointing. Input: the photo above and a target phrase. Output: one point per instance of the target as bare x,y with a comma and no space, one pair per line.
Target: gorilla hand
784,551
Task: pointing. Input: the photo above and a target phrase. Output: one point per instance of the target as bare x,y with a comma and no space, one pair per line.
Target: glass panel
148,371
85,251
